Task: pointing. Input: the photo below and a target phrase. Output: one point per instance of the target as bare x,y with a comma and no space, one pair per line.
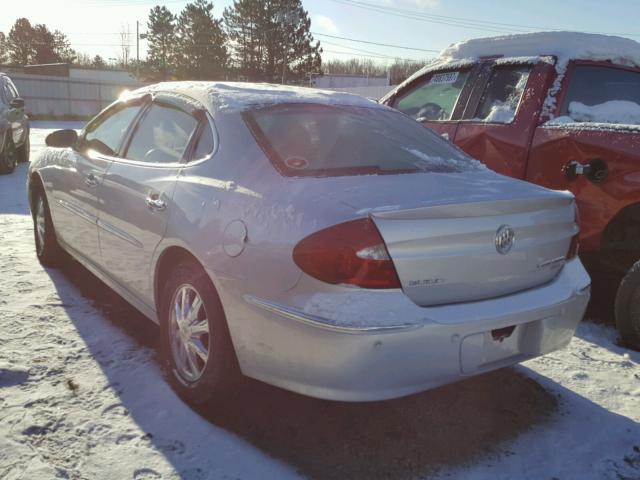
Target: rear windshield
324,140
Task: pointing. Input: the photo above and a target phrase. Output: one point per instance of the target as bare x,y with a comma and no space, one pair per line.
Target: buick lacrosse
316,241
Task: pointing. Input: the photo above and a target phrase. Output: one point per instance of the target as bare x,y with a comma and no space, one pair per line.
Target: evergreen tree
243,24
162,42
203,54
20,42
272,40
3,47
98,62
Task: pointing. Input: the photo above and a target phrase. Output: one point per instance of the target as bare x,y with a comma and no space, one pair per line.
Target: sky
428,26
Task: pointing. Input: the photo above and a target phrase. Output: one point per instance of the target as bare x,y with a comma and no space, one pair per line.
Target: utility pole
137,49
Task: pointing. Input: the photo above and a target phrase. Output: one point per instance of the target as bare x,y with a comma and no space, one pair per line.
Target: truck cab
558,109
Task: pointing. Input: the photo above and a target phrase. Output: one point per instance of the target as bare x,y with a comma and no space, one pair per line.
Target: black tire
23,152
7,155
220,371
628,308
49,252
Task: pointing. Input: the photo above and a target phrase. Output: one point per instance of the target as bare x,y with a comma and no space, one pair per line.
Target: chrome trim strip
78,211
320,322
119,233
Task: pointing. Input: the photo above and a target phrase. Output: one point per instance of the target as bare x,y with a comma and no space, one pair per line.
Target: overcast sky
93,26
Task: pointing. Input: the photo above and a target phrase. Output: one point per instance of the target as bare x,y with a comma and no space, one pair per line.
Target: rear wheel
23,152
48,250
628,308
8,155
196,345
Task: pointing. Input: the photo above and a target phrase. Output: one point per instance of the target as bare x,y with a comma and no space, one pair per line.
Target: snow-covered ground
82,397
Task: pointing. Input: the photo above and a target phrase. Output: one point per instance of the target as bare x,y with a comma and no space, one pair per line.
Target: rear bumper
303,351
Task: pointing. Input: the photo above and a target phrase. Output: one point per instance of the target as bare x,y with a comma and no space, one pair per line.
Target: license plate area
491,349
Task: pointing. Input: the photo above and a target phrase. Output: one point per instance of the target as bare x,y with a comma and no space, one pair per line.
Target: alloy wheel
40,221
189,333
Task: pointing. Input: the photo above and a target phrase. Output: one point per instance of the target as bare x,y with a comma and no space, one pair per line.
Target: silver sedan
315,241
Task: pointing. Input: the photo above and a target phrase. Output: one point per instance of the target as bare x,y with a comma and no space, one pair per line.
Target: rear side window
322,140
435,97
162,135
502,95
106,132
206,143
603,95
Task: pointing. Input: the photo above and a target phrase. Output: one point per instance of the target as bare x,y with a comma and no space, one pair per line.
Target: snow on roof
232,97
563,45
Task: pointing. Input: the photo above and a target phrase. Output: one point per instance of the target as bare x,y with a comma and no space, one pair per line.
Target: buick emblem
505,238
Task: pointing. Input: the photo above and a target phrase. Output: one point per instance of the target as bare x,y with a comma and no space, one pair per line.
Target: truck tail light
351,253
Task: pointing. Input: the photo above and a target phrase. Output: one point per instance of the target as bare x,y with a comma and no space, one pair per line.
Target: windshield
327,140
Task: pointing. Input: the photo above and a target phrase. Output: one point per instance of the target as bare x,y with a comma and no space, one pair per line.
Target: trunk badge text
505,238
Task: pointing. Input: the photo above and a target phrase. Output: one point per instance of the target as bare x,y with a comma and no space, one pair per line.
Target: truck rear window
328,140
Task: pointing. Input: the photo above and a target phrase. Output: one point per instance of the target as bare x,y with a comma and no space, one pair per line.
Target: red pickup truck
558,109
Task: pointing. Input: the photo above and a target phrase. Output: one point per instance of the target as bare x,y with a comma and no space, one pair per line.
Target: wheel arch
35,183
168,258
620,243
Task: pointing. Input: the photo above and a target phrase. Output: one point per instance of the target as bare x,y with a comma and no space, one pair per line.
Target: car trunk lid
468,251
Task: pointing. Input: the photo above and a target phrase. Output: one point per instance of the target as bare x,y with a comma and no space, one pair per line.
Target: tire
628,308
7,155
23,152
49,252
199,381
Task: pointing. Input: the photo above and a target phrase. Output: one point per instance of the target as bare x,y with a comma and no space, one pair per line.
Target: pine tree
243,24
162,42
203,54
272,40
20,42
3,47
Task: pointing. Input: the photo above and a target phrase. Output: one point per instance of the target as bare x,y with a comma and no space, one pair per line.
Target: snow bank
233,97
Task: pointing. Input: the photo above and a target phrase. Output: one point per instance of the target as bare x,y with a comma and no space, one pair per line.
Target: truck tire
8,155
627,309
23,152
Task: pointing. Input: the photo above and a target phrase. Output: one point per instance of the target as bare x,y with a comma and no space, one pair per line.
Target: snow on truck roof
563,45
233,97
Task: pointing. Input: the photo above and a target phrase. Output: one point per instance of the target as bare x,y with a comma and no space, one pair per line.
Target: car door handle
154,202
91,180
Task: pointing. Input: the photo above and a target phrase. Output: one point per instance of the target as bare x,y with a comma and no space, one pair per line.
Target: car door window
435,97
162,135
502,95
602,95
105,133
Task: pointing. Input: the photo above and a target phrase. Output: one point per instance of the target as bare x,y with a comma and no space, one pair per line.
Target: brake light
349,253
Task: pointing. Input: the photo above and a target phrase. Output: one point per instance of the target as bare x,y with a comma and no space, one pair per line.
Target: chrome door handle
154,202
91,180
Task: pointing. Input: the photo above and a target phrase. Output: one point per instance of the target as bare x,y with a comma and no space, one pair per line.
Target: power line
483,25
376,43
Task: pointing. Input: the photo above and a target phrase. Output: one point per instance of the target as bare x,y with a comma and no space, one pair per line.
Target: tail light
349,253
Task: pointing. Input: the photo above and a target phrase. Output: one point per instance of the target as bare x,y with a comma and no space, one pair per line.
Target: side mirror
62,138
17,103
